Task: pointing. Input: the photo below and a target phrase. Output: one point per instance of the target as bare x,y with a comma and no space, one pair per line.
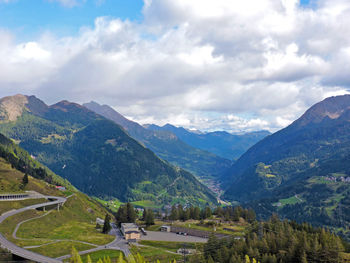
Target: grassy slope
152,254
76,220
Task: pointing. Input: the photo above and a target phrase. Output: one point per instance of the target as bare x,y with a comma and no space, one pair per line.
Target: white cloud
194,62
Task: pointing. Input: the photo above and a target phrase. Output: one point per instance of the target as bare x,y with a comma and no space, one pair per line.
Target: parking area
166,236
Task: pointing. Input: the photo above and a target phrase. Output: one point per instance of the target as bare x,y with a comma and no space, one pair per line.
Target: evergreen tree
196,213
75,257
107,224
131,214
210,260
25,179
149,220
174,215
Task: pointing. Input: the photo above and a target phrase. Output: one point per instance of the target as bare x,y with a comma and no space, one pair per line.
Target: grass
153,228
9,205
8,226
11,179
113,205
76,221
60,248
152,254
289,201
219,229
146,204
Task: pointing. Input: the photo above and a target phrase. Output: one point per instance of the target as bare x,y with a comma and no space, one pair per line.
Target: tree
144,215
196,213
174,215
149,220
130,213
210,260
121,259
107,224
89,259
75,257
25,179
207,212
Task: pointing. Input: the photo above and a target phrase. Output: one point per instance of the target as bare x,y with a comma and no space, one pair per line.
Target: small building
61,188
131,232
100,221
165,228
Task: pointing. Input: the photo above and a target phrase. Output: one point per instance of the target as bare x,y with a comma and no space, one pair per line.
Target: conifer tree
210,260
107,225
25,179
75,257
149,220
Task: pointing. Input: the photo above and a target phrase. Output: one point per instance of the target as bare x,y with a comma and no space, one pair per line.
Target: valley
300,173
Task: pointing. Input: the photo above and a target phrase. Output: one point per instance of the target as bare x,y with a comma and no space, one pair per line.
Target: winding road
117,244
14,249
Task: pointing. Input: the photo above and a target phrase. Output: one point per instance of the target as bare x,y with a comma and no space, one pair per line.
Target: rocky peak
332,108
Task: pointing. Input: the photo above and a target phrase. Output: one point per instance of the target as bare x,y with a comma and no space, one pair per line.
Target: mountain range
221,143
303,171
95,154
168,146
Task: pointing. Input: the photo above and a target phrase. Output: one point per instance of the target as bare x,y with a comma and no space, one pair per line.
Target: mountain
302,171
221,143
168,146
78,214
95,154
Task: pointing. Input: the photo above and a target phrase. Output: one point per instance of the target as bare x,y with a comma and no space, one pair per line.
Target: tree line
275,241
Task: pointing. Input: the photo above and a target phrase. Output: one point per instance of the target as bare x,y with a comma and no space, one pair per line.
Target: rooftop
129,225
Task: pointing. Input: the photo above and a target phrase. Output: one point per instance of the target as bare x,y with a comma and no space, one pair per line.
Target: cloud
194,62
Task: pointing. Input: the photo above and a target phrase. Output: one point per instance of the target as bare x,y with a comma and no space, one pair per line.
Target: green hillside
292,171
168,146
96,155
53,232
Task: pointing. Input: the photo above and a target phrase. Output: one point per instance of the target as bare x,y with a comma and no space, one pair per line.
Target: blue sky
28,20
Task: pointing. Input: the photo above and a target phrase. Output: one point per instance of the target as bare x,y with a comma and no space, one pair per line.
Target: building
100,221
131,232
165,228
61,188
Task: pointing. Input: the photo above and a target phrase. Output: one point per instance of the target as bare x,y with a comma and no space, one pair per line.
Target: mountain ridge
65,135
301,171
167,145
221,143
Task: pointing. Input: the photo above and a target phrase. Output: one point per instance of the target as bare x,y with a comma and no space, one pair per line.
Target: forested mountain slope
302,171
168,146
221,143
94,153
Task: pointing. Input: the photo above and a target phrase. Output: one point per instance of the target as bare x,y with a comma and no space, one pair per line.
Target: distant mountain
167,145
302,171
221,143
95,154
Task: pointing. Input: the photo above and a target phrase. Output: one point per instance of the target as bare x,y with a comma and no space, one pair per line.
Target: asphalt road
166,236
21,251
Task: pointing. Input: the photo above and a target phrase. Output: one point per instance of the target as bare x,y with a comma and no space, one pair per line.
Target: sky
210,65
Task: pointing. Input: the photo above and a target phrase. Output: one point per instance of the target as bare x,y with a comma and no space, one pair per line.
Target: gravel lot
165,236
